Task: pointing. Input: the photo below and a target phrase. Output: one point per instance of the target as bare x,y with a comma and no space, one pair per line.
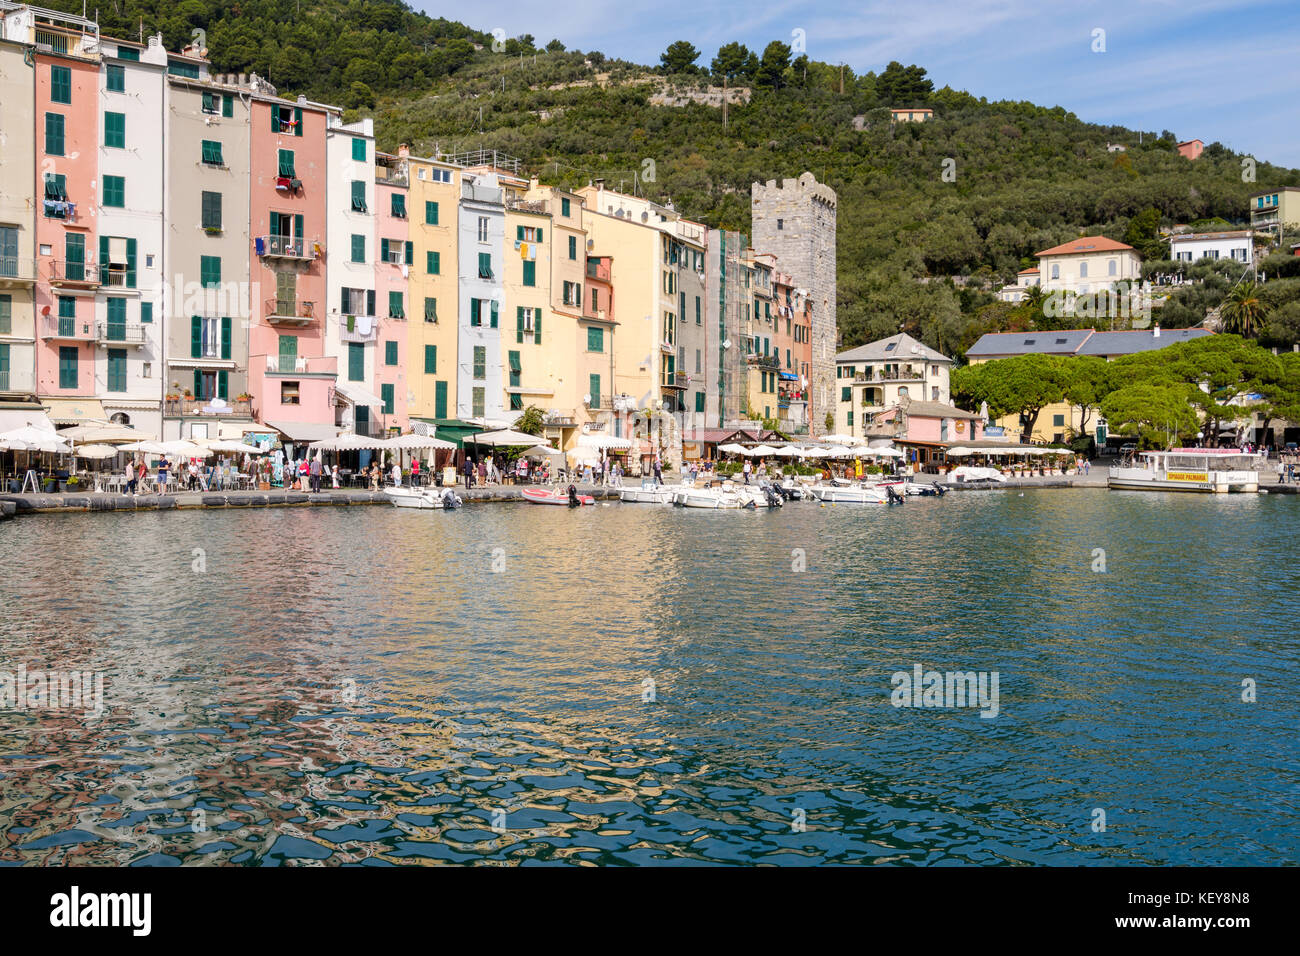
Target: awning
11,418
71,411
356,395
529,390
788,376
304,431
451,429
201,363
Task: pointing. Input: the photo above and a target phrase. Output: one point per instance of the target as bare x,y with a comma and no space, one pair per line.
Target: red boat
549,496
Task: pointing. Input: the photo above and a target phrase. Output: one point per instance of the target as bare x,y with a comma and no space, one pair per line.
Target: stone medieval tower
796,221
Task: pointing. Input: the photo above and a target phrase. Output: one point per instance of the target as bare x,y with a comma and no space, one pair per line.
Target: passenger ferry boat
1206,470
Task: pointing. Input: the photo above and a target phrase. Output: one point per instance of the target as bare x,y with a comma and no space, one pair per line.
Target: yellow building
432,288
528,340
762,361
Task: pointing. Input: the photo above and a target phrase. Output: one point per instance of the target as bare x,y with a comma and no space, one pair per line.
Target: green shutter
383,250
356,362
519,233
530,273
223,384
475,312
227,105
519,324
431,360
225,336
494,313
297,227
390,352
358,248
593,386
539,233
60,84
410,253
146,312
439,399
54,134
198,384
358,150
537,327
433,263
130,263
115,130
297,121
430,213
386,393
115,78
196,337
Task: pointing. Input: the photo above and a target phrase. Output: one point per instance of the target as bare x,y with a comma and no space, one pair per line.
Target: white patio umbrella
103,432
542,451
788,451
183,449
148,447
837,451
816,451
96,452
229,445
584,453
502,437
761,451
31,438
597,440
414,442
732,449
838,439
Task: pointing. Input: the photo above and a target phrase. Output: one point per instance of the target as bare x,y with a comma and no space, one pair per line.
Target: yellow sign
1187,476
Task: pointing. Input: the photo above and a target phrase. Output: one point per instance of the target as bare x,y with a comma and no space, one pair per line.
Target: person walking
482,471
415,471
334,474
397,475
745,470
130,478
163,467
659,472
315,475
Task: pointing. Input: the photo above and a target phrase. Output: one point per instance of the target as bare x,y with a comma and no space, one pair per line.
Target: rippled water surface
359,685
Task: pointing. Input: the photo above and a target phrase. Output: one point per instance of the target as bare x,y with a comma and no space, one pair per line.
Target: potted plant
189,394
212,230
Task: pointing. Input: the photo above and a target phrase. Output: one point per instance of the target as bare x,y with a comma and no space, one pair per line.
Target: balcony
765,361
889,375
73,274
290,312
52,39
287,247
528,205
675,380
355,334
297,365
115,277
598,268
188,407
15,271
120,333
70,330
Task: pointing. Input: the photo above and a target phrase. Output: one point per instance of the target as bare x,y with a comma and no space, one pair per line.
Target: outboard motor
573,497
893,496
774,500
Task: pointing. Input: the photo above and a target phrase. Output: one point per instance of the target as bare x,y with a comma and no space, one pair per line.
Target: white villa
1193,247
877,375
1087,265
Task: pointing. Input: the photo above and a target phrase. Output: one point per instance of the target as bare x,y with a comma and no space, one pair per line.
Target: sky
1225,70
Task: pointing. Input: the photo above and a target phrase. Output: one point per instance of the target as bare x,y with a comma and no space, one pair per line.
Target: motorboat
865,493
555,496
423,498
709,498
924,489
964,473
1206,470
649,493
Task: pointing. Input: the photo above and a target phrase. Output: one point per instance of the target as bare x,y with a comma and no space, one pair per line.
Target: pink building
396,258
1191,149
925,429
68,190
290,377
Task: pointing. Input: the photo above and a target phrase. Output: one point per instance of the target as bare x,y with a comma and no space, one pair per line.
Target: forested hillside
1020,177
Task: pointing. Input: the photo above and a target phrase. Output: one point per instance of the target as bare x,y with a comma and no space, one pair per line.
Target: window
1083,270
439,397
146,312
60,84
699,401
433,262
485,265
530,273
115,78
227,105
1056,270
390,352
386,393
528,233
211,211
482,228
289,393
358,248
68,366
397,205
115,191
358,195
697,311
593,389
358,149
212,153
128,53
286,167
1113,267
430,213
286,119
117,370
356,362
74,250
480,361
1058,421
54,134
595,299
595,340
431,360
479,404
573,245
430,309
210,271
396,306
475,312
210,104
846,393
850,418
6,314
288,353
780,225
115,130
564,211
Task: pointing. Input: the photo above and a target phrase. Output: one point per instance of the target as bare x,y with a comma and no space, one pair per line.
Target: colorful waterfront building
67,74
206,301
19,205
432,326
762,362
792,344
530,340
883,374
395,263
291,378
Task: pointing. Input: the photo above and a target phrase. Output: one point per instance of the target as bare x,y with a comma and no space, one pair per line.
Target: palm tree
1242,310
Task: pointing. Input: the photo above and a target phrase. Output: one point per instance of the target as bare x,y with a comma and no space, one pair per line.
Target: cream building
1087,265
880,374
17,218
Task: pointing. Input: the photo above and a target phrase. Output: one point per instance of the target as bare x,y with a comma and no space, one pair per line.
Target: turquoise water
359,685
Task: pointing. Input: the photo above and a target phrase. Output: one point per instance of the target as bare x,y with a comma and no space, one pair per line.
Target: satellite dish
586,399
645,216
726,344
591,244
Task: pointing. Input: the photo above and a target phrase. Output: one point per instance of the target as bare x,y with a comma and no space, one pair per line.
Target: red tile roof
1083,245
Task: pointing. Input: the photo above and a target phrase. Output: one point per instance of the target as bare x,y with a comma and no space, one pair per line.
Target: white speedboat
859,494
1205,470
964,473
649,494
428,498
708,498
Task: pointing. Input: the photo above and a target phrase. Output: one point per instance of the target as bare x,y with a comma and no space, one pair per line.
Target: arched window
1083,269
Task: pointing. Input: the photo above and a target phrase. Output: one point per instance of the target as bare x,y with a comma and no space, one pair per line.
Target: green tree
772,67
1143,234
902,85
733,61
1156,415
680,57
1242,310
1086,381
532,421
1022,385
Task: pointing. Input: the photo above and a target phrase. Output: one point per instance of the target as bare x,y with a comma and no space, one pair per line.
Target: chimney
403,150
1155,331
600,185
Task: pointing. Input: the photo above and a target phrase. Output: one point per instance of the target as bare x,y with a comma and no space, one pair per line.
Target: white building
129,370
351,324
1239,246
1087,265
479,384
1016,292
878,375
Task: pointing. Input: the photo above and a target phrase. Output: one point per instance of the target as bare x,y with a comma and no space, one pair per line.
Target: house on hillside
1237,245
1280,206
1191,149
911,114
1088,264
1016,292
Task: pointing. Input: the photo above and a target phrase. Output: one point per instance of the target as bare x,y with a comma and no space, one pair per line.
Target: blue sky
1226,70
